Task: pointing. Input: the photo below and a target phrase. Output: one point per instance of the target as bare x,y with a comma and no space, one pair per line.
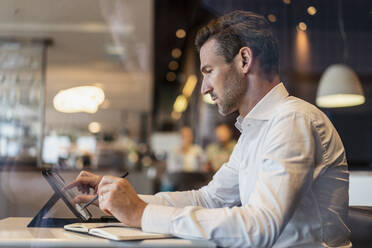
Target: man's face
220,79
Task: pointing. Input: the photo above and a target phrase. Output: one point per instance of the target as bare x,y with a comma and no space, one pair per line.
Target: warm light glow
94,127
287,1
180,104
302,54
133,157
175,115
189,85
79,99
311,10
302,26
171,76
173,65
271,18
340,100
180,33
208,99
176,53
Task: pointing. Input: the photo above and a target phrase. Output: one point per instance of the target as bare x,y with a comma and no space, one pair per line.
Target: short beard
233,94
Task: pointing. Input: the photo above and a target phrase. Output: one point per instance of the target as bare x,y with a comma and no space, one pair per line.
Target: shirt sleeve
285,173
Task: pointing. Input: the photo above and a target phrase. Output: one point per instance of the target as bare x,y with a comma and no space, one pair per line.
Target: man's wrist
141,209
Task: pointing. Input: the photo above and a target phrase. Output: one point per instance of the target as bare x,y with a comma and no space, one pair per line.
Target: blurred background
114,85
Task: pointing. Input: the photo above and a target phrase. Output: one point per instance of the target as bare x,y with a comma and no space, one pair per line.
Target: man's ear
246,56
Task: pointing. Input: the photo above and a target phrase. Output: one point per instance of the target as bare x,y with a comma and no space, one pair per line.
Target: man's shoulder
294,105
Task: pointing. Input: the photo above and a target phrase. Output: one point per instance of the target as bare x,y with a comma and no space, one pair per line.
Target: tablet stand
40,221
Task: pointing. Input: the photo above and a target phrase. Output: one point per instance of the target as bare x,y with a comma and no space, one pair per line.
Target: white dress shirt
285,184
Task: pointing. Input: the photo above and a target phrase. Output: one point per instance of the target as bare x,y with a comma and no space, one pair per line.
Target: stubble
233,93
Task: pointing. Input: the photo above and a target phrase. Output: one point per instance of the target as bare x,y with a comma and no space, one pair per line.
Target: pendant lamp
339,85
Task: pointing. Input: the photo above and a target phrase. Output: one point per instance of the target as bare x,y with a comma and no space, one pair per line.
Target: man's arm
285,173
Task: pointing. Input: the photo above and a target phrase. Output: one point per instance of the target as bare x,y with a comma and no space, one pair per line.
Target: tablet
57,183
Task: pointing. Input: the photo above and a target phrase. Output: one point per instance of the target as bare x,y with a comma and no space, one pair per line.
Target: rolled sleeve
157,218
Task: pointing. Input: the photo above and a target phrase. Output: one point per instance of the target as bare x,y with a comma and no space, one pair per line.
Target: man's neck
257,88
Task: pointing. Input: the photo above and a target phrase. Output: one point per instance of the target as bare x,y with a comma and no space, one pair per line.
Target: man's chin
222,113
225,111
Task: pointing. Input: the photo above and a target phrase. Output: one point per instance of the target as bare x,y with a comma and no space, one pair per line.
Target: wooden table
14,233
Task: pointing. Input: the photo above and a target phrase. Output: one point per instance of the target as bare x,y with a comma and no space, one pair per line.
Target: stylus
96,197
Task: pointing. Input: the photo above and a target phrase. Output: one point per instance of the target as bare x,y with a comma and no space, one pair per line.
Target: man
184,164
188,157
218,153
286,182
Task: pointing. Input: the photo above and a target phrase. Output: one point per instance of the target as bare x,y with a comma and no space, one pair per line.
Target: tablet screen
57,183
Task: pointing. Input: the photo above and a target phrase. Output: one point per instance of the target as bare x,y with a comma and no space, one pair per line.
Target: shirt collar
264,109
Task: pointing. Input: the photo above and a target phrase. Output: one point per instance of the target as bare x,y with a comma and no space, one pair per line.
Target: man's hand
84,182
118,198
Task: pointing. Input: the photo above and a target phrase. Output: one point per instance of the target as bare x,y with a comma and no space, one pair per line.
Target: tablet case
40,221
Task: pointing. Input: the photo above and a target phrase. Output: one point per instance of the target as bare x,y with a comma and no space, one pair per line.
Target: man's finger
104,206
81,180
108,180
85,199
103,189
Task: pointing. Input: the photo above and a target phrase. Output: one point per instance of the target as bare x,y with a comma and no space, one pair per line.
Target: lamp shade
339,87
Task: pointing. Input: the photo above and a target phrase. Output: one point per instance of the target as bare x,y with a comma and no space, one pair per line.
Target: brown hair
243,28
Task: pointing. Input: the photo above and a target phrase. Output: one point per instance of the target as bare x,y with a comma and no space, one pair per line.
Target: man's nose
205,88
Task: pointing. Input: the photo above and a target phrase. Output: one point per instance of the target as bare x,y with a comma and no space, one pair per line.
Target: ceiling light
339,87
180,104
94,127
271,18
173,65
180,33
311,10
79,99
302,26
176,53
287,1
171,76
